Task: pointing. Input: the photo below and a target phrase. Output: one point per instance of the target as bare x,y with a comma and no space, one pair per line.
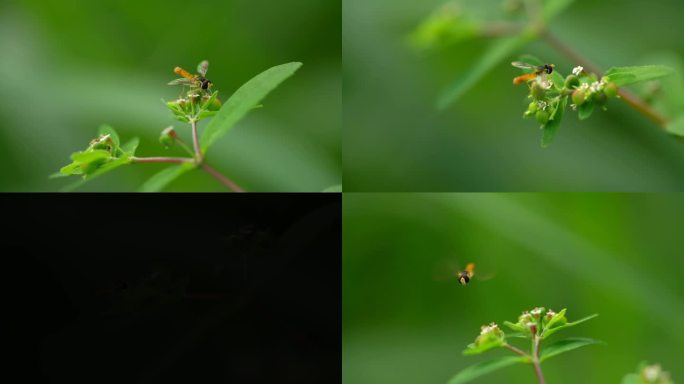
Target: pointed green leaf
131,146
110,166
480,369
161,179
566,345
89,156
550,331
497,52
71,169
585,110
108,130
549,129
244,99
515,327
629,75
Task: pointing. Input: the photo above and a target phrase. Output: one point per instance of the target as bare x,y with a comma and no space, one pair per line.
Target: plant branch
174,160
535,358
628,97
195,141
223,179
516,350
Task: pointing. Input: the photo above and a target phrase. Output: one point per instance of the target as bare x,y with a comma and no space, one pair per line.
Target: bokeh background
396,140
612,254
68,66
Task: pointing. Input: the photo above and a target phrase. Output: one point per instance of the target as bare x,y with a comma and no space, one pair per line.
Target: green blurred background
618,255
395,140
68,66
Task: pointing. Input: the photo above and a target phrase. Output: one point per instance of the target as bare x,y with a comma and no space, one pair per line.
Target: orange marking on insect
470,268
182,72
524,78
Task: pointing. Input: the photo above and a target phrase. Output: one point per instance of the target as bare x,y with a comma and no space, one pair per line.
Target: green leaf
495,54
550,331
629,75
108,130
585,110
549,129
110,166
130,147
89,156
107,167
244,99
566,345
515,327
71,169
161,179
676,125
632,378
480,369
334,188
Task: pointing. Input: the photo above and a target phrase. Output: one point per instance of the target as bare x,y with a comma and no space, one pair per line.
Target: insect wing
181,81
446,270
520,64
203,67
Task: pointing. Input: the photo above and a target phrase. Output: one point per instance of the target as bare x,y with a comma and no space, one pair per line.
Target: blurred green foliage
612,254
69,66
396,140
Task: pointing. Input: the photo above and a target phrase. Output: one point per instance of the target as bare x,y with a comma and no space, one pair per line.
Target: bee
194,81
538,70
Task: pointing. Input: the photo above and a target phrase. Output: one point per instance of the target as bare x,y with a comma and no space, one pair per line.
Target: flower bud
610,89
542,116
168,137
578,97
572,81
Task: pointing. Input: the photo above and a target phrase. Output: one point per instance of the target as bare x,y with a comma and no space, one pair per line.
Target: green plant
520,22
106,153
536,326
648,374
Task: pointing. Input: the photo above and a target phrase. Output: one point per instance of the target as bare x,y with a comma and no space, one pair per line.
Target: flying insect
193,81
538,70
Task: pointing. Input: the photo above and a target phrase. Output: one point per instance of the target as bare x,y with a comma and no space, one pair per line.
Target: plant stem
174,160
535,358
223,179
516,350
627,96
195,141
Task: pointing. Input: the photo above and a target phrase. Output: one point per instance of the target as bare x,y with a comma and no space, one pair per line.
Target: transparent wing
181,81
520,64
445,270
203,67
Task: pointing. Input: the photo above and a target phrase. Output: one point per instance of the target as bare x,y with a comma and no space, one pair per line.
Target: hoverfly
538,70
193,81
450,270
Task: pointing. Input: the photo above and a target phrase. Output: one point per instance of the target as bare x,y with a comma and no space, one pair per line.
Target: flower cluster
548,91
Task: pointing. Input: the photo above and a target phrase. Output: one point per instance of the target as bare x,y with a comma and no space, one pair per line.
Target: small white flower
577,70
546,84
488,328
574,108
652,372
541,105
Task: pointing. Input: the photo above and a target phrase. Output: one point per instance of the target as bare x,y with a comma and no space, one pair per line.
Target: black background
171,288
